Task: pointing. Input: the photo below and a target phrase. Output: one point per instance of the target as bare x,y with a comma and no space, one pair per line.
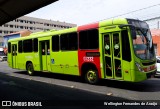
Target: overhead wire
135,11
148,16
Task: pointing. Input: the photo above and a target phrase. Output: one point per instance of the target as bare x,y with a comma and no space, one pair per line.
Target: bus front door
112,55
45,57
14,55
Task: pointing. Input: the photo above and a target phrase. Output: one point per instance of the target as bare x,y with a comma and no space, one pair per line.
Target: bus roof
45,33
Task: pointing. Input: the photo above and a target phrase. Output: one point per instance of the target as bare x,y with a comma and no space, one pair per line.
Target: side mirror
133,32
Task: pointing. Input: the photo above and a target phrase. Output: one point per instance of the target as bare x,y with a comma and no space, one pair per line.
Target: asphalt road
60,91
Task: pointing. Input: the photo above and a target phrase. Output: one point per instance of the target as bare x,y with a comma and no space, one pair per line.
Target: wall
156,39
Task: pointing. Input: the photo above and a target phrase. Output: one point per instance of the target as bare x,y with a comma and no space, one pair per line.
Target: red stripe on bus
89,26
82,59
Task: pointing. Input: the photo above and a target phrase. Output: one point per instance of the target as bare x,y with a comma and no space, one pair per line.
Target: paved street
17,85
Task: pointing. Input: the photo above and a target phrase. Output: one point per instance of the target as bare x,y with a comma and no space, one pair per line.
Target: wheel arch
28,63
86,66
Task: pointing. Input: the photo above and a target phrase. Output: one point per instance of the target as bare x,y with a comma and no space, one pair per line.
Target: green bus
118,49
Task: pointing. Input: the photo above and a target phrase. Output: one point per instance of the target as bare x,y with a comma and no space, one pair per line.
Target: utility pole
158,25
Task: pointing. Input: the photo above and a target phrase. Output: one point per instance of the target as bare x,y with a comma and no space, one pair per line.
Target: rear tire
91,76
30,69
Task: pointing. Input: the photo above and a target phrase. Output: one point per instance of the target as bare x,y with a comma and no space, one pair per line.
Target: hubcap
30,69
91,76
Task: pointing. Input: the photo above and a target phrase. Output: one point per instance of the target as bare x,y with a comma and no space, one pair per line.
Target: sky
82,12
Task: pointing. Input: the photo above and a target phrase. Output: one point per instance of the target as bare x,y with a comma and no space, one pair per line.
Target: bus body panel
44,53
65,62
13,61
83,58
56,62
115,64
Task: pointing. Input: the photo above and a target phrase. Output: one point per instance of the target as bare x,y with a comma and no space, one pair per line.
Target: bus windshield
142,44
142,39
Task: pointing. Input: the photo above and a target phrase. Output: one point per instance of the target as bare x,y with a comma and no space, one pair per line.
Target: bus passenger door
14,55
45,57
112,55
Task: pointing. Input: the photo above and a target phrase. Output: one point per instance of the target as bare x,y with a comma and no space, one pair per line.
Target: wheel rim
91,76
30,69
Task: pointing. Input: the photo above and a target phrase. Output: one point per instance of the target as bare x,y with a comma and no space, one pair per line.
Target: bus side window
55,43
125,46
69,42
64,42
35,45
73,41
48,47
43,47
89,39
27,46
20,46
13,49
9,47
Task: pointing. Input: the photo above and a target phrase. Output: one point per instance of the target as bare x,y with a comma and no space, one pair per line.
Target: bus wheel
91,76
30,69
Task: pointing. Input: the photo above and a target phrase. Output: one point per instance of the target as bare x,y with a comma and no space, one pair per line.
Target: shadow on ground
150,85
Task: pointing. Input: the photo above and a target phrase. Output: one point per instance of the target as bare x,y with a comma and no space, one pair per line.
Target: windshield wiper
145,34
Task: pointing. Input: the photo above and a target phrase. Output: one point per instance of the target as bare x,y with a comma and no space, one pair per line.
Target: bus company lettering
88,59
28,57
36,55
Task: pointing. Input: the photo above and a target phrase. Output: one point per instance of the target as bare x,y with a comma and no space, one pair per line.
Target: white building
32,24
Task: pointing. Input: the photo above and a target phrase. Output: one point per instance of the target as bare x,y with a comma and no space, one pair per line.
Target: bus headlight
139,67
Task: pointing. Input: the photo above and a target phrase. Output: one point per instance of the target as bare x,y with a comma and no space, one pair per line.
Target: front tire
30,69
91,76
